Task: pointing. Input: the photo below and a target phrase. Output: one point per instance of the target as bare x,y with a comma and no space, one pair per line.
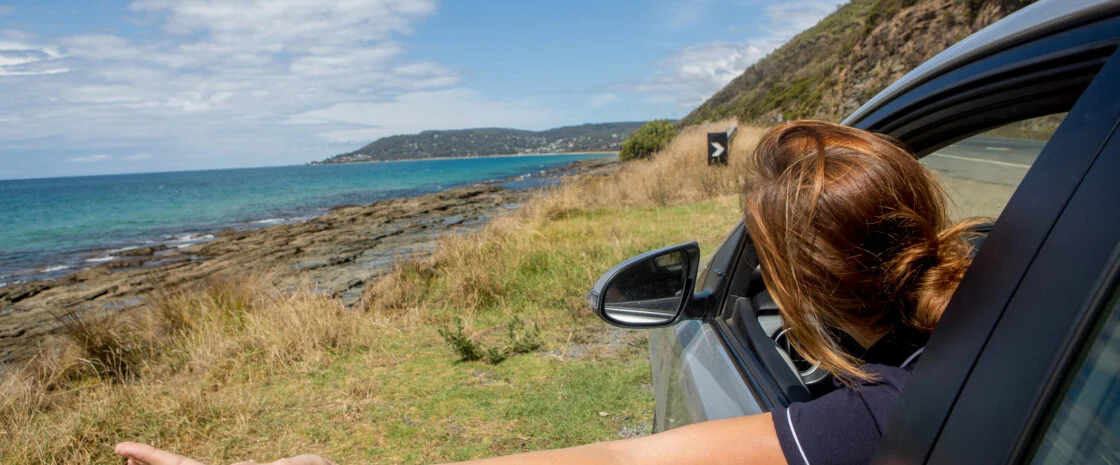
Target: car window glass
716,267
1085,424
981,172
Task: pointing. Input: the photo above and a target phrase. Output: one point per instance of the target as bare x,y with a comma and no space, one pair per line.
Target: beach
337,254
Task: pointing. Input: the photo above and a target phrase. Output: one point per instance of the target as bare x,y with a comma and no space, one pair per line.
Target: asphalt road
986,159
981,173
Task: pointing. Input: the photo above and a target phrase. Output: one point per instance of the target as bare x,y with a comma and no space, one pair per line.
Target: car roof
1036,20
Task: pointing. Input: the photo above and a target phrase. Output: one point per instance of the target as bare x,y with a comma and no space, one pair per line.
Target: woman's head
852,234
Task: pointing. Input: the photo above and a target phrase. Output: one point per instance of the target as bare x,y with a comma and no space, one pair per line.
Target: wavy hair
852,234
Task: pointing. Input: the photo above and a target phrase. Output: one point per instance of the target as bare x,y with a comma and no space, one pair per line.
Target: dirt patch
599,341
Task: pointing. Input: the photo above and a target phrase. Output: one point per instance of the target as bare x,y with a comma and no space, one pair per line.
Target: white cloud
217,77
417,111
33,72
790,17
138,157
289,23
18,58
90,159
603,99
688,77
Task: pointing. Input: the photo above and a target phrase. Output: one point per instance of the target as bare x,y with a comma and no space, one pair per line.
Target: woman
856,248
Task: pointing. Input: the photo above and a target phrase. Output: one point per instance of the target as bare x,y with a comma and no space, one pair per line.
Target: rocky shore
337,254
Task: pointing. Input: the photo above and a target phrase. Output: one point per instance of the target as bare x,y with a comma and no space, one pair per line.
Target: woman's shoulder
843,426
883,378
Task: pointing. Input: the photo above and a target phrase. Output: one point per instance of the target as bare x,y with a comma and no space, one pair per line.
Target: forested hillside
491,141
829,70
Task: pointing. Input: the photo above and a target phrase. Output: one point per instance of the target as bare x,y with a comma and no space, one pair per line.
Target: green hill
830,69
491,141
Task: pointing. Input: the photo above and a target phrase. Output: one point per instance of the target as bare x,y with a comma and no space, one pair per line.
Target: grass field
237,370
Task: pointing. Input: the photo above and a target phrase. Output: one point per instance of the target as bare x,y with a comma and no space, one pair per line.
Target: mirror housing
650,290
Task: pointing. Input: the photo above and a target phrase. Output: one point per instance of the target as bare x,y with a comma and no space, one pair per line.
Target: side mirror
650,290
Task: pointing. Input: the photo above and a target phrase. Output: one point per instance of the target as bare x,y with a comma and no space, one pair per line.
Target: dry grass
235,368
678,174
199,338
470,272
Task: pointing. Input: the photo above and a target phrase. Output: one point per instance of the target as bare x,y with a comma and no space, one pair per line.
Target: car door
694,377
1009,79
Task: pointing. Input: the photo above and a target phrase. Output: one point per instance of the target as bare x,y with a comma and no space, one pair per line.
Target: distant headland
480,142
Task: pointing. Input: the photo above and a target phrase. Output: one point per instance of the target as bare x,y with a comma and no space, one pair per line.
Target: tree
648,139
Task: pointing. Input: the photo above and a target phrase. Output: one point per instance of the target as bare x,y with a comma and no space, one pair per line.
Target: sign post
719,143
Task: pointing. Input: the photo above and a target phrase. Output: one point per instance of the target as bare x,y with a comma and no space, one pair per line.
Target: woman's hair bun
953,256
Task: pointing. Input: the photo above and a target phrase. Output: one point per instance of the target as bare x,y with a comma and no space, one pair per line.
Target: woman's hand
143,454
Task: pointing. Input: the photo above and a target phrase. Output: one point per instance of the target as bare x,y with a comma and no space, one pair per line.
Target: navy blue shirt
844,426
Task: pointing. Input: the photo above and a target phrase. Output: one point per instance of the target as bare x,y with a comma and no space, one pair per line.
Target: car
1025,363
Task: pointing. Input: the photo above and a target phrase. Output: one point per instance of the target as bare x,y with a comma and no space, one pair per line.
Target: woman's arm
743,440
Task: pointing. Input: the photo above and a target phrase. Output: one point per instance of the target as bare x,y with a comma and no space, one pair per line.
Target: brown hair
852,234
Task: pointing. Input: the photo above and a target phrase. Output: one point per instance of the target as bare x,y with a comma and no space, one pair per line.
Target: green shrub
647,139
467,348
520,339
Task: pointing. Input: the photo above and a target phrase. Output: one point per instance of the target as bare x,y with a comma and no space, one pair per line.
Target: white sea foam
107,258
190,239
51,269
270,221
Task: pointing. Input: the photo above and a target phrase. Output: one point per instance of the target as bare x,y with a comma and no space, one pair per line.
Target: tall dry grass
677,174
195,340
470,271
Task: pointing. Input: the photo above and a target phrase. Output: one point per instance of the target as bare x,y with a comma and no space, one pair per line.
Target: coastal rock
142,251
337,254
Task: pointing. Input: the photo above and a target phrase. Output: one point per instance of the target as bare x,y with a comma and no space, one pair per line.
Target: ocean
55,226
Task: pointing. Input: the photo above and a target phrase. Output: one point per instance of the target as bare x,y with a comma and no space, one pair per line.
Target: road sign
718,145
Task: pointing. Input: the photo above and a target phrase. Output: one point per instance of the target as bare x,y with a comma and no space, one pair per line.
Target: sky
102,86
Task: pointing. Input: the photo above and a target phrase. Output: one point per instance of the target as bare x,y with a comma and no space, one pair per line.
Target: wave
52,269
191,237
187,240
107,258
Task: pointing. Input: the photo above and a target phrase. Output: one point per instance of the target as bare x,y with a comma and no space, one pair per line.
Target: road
986,159
981,173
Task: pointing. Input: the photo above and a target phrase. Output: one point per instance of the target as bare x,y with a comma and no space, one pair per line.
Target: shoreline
57,264
504,155
336,253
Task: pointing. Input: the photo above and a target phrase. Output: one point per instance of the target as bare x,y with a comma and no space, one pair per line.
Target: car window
1085,424
717,267
981,172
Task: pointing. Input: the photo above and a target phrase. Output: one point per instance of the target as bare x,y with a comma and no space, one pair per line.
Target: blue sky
96,87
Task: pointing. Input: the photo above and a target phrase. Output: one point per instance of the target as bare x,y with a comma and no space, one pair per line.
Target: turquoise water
58,225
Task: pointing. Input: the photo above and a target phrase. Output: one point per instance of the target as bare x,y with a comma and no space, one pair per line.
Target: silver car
1025,365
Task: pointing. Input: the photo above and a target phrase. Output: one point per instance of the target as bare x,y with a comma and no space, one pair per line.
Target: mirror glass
648,292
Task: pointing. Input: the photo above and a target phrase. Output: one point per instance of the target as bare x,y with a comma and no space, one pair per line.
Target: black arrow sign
717,148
